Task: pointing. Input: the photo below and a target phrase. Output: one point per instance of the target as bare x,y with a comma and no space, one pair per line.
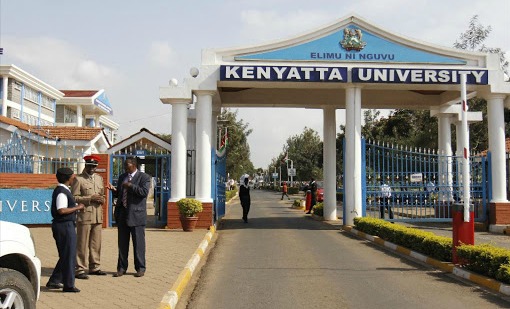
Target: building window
31,94
47,102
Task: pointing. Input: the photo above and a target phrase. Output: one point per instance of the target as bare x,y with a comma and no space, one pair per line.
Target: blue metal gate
419,185
218,186
156,165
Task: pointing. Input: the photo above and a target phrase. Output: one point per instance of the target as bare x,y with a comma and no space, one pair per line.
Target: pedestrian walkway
168,251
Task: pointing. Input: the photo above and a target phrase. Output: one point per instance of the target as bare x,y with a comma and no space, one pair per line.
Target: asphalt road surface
282,258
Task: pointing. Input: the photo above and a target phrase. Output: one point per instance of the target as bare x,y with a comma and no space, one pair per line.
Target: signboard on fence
291,171
418,177
26,206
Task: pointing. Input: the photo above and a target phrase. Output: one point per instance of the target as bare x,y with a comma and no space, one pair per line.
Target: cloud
161,54
264,25
58,63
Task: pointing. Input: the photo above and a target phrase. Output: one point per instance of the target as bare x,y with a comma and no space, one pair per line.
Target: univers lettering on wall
26,206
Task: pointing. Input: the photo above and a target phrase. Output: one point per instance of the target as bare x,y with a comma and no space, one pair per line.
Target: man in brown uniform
88,189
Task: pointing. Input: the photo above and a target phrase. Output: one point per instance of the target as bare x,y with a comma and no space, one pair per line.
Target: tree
238,150
305,150
417,128
473,39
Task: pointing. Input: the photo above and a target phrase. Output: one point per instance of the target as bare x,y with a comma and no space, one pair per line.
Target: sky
131,48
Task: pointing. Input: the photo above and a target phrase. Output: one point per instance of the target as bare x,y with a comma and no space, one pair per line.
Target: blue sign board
26,206
283,73
352,44
103,103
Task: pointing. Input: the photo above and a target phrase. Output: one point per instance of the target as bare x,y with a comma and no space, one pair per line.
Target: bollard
308,200
463,232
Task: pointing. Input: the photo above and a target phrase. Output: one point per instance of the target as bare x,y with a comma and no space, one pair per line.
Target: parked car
20,268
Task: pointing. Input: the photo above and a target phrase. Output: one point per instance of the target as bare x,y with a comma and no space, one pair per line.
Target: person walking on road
88,189
244,196
312,186
131,216
284,190
63,211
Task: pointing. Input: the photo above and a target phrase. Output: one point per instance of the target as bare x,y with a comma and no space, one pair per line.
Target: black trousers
64,234
386,204
124,233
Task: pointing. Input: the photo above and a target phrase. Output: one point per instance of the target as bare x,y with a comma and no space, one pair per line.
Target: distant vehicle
20,268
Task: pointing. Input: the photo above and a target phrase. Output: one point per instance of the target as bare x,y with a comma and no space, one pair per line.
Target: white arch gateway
349,64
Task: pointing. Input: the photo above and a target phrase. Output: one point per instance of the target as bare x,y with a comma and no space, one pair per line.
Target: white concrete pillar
179,152
79,116
445,156
5,83
496,123
329,132
352,183
203,108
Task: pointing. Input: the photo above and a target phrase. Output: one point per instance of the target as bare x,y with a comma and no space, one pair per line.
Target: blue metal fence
404,184
159,164
218,185
28,152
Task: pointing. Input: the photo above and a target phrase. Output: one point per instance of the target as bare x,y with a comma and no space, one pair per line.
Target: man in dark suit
131,216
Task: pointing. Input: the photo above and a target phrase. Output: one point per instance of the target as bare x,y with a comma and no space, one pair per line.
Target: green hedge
483,259
230,194
293,190
487,260
318,209
427,243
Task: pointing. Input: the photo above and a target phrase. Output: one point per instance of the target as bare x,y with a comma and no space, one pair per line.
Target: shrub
293,190
318,209
296,203
503,273
484,259
230,194
189,207
437,247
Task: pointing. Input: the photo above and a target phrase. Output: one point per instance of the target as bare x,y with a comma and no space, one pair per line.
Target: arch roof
330,44
313,69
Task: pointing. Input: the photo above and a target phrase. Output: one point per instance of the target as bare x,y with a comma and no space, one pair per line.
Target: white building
36,131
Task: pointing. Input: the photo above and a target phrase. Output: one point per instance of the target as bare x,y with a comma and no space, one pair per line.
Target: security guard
63,211
88,189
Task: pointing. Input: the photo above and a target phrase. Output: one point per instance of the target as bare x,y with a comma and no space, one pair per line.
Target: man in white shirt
385,200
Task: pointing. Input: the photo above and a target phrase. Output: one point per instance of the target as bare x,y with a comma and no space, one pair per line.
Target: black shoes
139,274
309,213
54,286
98,273
71,290
119,273
82,276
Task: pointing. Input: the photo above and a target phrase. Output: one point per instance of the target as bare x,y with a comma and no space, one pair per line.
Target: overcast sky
131,48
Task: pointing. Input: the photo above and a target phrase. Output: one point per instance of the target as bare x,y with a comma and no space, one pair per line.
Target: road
284,259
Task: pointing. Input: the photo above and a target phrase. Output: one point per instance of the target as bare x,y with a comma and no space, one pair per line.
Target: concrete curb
170,299
486,282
